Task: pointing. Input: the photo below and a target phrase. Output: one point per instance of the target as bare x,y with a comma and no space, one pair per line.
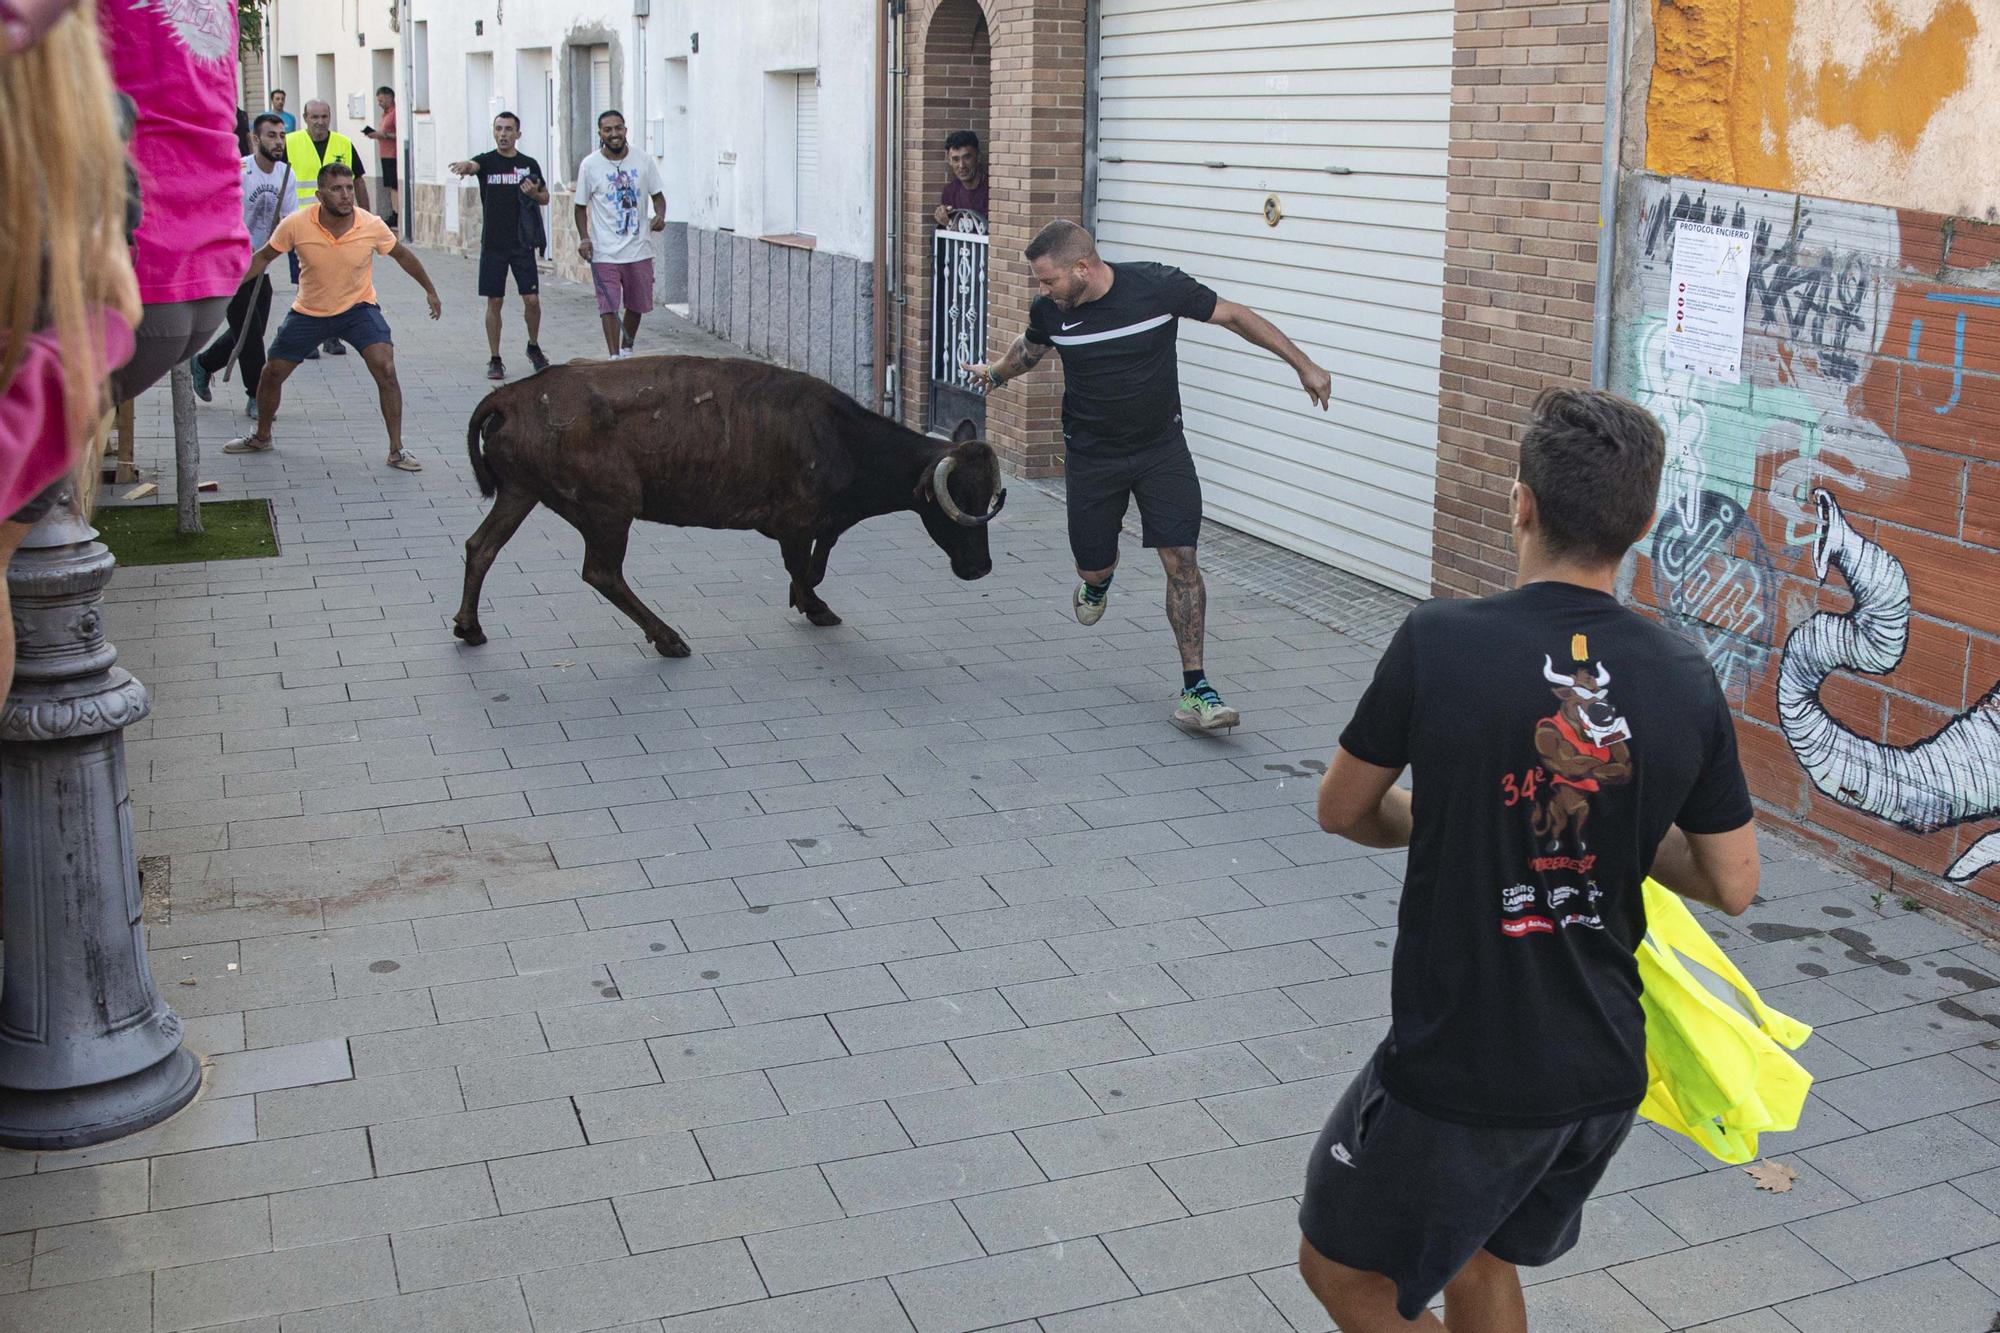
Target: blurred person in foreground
1561,748
68,297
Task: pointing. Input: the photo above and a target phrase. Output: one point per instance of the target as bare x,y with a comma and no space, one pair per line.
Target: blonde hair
62,212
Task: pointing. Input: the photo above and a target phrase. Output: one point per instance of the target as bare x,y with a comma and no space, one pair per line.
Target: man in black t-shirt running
1561,748
512,191
1116,326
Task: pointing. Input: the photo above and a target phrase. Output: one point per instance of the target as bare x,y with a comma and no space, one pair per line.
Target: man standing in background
268,199
291,122
611,188
512,191
308,150
385,150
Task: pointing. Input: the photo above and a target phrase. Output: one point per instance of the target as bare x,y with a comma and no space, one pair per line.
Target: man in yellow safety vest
308,150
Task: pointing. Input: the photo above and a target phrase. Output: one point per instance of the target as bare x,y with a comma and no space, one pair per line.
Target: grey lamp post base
88,1049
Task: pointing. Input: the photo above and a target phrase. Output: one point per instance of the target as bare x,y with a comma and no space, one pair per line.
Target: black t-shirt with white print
1121,378
502,202
1553,737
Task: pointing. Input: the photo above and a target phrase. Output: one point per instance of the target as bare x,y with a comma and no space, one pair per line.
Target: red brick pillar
1527,121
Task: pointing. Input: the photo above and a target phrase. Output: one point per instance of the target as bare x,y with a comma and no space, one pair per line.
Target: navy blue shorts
360,327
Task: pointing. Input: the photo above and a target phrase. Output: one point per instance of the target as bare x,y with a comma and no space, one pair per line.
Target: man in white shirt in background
268,199
612,186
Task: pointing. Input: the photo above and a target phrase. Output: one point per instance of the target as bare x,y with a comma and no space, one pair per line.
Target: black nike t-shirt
502,202
1121,378
1553,737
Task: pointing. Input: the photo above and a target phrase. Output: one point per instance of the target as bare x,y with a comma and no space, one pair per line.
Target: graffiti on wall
1747,498
1946,779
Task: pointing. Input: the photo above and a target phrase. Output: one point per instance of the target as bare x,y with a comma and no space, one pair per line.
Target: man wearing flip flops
336,244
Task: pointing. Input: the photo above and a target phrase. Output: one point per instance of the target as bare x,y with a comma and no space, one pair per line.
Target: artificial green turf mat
145,535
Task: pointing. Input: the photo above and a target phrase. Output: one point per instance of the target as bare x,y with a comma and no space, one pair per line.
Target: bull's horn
1603,676
940,485
1549,670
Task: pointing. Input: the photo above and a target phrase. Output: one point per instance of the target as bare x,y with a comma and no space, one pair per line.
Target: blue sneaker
201,389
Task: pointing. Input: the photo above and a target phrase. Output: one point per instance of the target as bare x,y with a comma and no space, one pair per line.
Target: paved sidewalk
911,974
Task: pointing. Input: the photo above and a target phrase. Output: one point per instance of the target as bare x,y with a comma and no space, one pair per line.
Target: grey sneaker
1089,606
1202,709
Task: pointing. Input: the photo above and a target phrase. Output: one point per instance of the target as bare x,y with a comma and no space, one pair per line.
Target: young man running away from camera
512,191
612,188
1115,326
1560,748
336,244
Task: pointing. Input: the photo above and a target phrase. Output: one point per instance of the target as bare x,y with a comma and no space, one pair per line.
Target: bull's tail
486,419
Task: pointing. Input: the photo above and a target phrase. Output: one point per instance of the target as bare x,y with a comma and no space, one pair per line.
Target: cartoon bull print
1583,747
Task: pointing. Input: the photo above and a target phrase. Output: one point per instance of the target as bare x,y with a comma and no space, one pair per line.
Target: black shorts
1163,479
495,265
388,172
1394,1191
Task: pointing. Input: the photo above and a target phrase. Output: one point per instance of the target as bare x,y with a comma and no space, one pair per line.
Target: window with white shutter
805,153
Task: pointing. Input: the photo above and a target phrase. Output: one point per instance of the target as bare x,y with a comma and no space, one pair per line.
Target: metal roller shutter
1340,109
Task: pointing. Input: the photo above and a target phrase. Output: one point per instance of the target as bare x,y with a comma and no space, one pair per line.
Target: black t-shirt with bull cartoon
1553,737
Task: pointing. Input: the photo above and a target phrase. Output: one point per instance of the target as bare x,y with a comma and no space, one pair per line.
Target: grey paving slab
1233,1303
1207,1246
757,1146
227,1290
446,1044
966,1112
1903,1157
734,1050
464,1252
858,1306
251,1169
876,1245
564,1073
871,1077
1238,1177
480,1307
112,1305
1934,1296
620,1291
1588,1303
693,1104
599,1171
977,969
1727,1277
277,1067
1104,1143
1127,1085
1226,1018
1717,1204
472,1136
143,1242
1045,1214
914,1022
740,1206
929,1175
355,1102
986,1292
378,1207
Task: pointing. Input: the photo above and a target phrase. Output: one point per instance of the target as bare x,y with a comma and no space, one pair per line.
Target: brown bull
706,443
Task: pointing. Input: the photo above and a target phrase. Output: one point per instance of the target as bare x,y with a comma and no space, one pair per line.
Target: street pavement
912,974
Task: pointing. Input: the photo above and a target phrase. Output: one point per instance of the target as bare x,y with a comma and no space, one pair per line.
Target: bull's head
1586,697
958,495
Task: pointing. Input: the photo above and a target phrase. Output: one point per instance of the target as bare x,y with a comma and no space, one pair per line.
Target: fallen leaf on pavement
1773,1176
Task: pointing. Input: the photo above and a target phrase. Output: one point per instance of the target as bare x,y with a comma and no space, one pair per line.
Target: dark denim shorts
360,327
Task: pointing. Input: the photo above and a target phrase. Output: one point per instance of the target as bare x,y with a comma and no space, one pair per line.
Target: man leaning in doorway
385,150
1115,327
612,187
308,150
968,190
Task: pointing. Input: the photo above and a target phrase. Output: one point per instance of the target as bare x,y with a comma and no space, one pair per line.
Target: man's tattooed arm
1021,358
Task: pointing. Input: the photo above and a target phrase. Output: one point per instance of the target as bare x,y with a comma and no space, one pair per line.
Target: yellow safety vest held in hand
1716,1064
306,159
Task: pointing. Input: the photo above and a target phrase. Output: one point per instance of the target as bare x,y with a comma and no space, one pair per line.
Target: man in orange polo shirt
336,244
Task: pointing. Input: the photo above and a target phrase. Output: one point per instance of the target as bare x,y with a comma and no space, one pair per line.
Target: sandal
247,444
402,462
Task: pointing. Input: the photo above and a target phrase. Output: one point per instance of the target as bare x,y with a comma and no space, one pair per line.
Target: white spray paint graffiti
1947,779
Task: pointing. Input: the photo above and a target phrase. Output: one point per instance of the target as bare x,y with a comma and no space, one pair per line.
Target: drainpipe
1091,20
1607,194
885,210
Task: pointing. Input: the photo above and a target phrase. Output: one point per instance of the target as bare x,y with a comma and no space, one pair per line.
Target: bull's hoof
672,648
823,617
472,634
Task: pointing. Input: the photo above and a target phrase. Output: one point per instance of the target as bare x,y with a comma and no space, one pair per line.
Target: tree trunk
187,450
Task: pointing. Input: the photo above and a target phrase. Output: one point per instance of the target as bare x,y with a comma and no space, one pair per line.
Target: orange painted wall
1879,101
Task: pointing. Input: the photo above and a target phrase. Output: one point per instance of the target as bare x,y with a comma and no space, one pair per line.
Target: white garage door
1340,109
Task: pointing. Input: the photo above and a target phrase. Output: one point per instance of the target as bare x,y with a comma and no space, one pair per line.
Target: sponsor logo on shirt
1338,1152
1527,925
1517,898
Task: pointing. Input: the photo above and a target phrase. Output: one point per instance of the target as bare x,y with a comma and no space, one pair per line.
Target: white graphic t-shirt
265,202
619,195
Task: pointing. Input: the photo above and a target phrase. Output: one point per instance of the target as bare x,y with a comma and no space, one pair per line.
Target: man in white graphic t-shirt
612,186
268,199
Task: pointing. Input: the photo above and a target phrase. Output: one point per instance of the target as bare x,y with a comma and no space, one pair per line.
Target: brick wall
1034,110
1527,117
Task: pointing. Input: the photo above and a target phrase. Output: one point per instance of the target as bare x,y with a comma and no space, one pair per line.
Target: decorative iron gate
958,325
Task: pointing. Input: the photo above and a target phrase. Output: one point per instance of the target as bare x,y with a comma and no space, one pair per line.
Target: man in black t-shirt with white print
1561,748
1116,327
512,192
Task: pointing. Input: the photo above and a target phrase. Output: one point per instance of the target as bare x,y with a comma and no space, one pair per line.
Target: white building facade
336,51
762,116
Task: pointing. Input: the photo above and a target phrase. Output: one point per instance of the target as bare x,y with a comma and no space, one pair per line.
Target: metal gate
958,326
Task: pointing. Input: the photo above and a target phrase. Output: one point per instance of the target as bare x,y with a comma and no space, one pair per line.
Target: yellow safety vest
1715,1070
306,159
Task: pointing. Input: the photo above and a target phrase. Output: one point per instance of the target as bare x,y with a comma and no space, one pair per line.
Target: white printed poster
1706,299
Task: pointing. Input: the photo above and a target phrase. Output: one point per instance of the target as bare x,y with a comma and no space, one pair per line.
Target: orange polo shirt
335,273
